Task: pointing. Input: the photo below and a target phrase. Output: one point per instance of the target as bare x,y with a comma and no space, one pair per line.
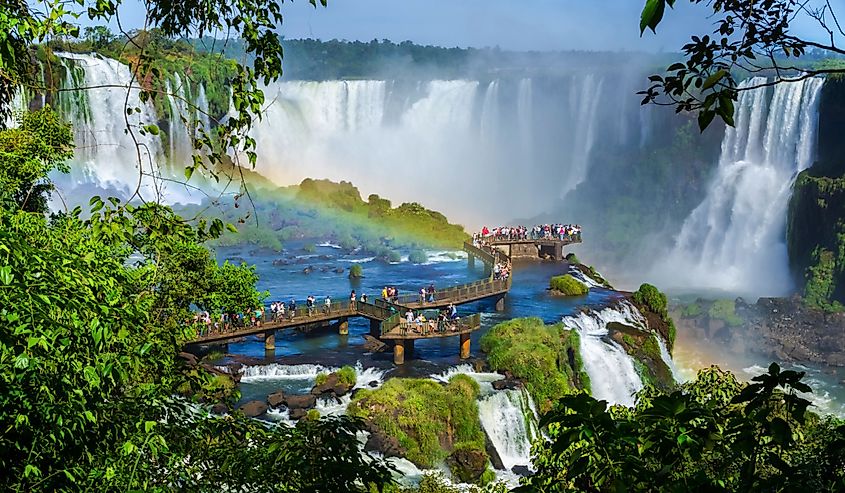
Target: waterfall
583,101
735,239
489,126
106,156
525,119
667,358
612,374
510,420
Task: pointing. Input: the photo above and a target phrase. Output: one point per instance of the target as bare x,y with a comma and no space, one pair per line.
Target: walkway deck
533,248
386,317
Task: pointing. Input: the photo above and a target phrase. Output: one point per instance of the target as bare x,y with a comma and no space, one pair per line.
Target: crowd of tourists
445,321
228,321
518,233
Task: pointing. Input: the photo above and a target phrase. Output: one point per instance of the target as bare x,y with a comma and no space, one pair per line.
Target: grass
347,376
568,285
538,354
428,419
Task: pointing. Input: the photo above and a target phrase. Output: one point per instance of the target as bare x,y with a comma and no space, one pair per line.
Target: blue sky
510,24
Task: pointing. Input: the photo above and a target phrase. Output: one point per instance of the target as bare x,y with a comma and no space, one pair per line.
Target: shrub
356,271
568,285
572,258
312,415
653,299
309,248
418,257
322,378
394,256
347,375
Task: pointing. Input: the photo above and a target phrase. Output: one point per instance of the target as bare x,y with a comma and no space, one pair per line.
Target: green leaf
189,171
153,129
714,79
704,118
651,15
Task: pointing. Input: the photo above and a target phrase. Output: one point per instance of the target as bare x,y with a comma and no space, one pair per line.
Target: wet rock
332,386
305,402
276,399
495,458
373,345
521,470
279,262
380,442
253,409
325,268
219,408
467,464
308,270
339,270
297,413
507,384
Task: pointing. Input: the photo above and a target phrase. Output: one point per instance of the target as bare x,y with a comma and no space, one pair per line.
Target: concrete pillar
399,353
270,340
471,261
500,304
375,328
343,327
465,345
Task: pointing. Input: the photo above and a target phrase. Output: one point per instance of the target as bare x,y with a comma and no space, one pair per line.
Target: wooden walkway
533,248
387,317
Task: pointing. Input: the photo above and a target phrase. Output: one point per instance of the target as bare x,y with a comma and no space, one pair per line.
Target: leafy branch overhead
751,37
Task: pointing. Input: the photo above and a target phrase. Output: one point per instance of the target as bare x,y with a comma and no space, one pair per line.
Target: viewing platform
387,316
541,248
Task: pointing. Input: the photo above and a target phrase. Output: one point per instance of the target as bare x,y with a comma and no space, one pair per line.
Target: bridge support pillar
270,340
343,327
399,353
375,328
471,261
500,304
465,346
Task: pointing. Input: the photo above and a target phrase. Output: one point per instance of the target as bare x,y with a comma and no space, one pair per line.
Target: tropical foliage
715,434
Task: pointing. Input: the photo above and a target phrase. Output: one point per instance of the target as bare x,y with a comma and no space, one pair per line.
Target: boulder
308,270
305,402
332,385
495,458
373,345
467,464
507,384
219,408
297,413
521,470
253,409
276,399
387,445
339,270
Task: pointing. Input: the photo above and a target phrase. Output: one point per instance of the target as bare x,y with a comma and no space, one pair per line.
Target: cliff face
816,218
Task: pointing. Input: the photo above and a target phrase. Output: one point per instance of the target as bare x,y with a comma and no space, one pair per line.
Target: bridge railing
482,254
390,323
470,322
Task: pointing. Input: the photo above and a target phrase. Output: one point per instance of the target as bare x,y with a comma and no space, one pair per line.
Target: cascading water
735,239
612,374
107,156
510,420
583,99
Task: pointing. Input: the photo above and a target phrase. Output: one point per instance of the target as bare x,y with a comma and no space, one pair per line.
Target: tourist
430,292
309,305
327,305
292,308
384,293
281,311
453,311
422,296
363,297
409,316
352,300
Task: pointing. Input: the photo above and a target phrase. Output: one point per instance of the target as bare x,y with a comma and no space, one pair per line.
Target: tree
715,434
751,37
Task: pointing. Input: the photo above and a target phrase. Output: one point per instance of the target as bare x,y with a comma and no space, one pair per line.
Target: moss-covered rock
417,257
724,310
566,285
430,421
546,357
655,308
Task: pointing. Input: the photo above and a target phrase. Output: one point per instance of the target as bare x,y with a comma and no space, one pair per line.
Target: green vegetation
356,271
94,312
648,298
816,218
321,209
347,376
309,248
572,258
568,285
428,419
547,357
691,310
725,310
437,483
321,378
417,257
644,350
714,434
312,415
